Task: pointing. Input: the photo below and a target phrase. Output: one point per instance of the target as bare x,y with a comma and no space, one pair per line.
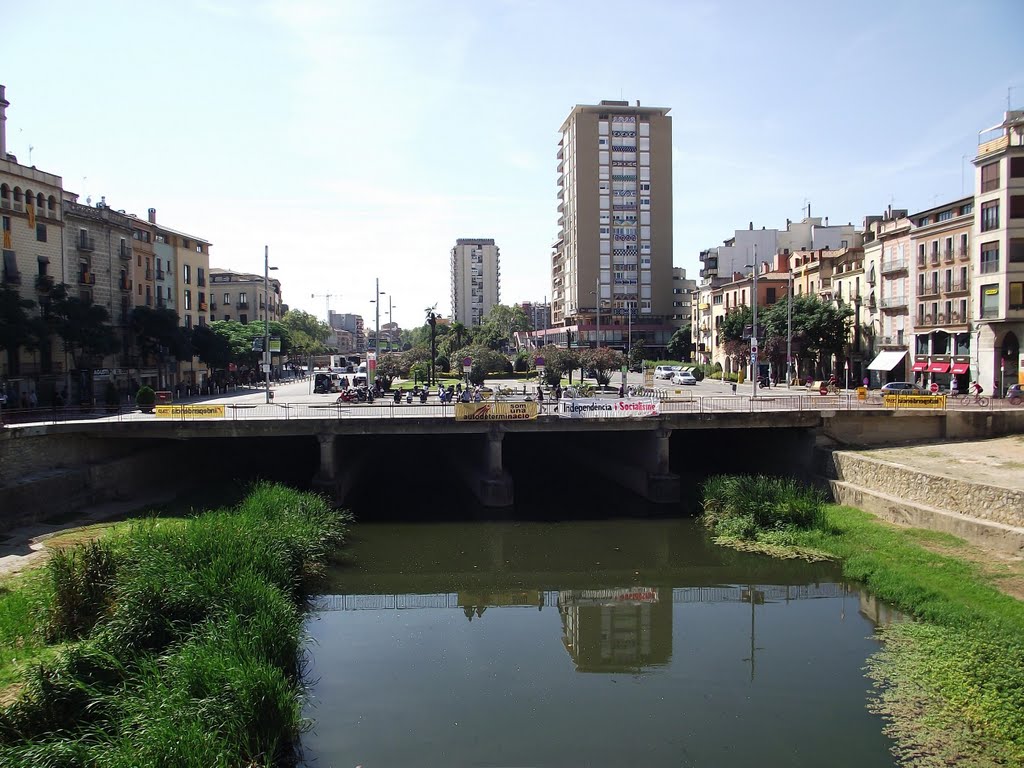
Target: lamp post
376,338
266,316
391,322
789,330
753,329
597,305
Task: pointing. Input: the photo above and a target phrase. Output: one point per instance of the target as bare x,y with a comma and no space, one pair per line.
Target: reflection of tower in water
616,630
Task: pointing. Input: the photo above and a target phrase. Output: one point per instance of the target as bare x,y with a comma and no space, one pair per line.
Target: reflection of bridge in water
730,593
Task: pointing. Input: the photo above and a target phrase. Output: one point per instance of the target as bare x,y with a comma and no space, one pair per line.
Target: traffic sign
934,388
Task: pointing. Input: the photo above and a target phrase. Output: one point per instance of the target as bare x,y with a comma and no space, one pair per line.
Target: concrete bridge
115,457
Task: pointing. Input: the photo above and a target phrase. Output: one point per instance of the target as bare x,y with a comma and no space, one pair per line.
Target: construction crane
328,297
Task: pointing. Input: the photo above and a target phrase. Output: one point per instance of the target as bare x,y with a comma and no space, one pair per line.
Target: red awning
920,365
961,367
938,368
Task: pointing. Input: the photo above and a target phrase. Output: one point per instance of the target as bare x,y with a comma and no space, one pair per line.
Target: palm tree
459,335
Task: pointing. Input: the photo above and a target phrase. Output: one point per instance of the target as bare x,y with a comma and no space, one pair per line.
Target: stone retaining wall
959,496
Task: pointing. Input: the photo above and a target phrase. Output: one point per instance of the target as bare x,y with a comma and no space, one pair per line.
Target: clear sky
359,140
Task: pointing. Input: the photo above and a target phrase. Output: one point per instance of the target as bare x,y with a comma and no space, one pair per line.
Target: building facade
998,258
32,227
475,279
613,255
683,292
243,296
342,321
941,280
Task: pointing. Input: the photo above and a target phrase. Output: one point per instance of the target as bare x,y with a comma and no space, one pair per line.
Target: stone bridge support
331,478
640,462
484,471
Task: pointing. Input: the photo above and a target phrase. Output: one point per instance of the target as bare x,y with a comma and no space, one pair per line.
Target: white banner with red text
607,408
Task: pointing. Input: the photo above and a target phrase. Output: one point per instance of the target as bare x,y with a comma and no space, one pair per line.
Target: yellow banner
495,411
7,240
914,401
190,411
31,215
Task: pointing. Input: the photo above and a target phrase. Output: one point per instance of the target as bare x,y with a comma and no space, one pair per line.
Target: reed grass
186,638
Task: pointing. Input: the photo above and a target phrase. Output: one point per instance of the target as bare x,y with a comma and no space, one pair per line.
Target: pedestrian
558,392
477,396
33,399
954,388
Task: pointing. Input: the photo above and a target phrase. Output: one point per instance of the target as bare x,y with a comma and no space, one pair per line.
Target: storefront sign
189,411
607,408
914,401
495,411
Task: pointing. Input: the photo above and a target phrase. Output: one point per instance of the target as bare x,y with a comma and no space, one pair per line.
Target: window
188,300
200,277
990,216
990,257
990,177
990,300
770,296
944,216
185,243
243,319
44,265
1016,207
963,244
10,267
186,271
41,233
967,209
1017,250
227,299
188,321
1017,167
243,299
1016,295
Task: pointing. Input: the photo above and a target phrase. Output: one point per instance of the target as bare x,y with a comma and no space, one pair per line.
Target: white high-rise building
476,279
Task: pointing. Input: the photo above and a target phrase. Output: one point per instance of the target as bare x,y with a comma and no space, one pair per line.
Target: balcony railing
958,286
963,254
159,274
160,302
922,260
935,258
86,278
213,306
928,290
86,243
891,341
126,252
243,305
125,284
947,256
894,265
894,302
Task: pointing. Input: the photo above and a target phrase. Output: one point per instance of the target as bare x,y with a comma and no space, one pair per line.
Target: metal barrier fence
388,409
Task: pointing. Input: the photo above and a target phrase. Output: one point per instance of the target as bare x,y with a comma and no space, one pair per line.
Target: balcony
86,278
12,277
928,291
894,302
935,258
894,265
203,306
963,254
125,252
149,300
159,274
125,284
86,243
149,273
44,283
243,305
947,256
213,306
958,286
892,341
922,260
160,302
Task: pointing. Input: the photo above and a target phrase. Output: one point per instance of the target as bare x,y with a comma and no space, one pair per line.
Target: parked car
901,387
1015,394
684,377
664,372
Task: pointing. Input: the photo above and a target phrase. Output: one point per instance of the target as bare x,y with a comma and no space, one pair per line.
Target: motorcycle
355,395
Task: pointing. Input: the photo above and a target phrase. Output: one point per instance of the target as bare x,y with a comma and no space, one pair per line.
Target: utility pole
754,376
266,317
789,327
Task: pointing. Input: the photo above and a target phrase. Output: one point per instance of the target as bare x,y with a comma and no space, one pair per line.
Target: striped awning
961,367
938,368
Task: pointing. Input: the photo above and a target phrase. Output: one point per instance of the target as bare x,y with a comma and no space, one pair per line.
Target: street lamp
789,329
391,322
597,303
753,328
376,339
266,316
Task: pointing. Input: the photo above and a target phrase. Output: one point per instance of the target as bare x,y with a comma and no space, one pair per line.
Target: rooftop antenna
30,148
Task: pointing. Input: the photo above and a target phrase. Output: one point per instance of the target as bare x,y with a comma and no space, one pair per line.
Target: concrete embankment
974,490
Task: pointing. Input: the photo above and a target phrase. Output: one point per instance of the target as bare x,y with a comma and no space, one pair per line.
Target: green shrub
760,508
145,396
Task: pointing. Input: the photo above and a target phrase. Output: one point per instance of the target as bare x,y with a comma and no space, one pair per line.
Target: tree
159,336
390,366
16,327
637,351
307,332
600,361
83,326
500,323
211,347
558,361
680,346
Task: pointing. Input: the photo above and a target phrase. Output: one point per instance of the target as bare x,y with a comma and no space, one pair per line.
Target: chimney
152,215
4,104
751,226
788,223
638,102
826,221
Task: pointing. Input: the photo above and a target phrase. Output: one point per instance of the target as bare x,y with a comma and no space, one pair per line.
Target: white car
664,372
684,377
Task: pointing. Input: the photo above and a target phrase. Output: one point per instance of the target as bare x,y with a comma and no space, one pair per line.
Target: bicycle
969,399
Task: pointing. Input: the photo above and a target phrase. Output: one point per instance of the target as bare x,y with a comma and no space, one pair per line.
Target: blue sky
358,140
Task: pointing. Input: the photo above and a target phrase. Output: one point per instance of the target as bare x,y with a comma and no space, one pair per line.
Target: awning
938,368
961,367
920,365
887,360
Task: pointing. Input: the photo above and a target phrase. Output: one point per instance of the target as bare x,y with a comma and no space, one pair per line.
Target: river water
620,642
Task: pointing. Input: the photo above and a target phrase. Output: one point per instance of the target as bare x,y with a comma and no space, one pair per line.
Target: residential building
342,340
165,273
887,252
243,296
683,291
849,288
98,269
538,313
612,260
340,321
941,278
32,261
773,281
143,266
998,254
475,279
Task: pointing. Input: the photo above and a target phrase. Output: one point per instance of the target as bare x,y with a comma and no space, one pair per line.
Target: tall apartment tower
615,223
476,279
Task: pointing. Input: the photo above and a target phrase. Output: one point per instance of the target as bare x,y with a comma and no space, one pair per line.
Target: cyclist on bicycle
976,389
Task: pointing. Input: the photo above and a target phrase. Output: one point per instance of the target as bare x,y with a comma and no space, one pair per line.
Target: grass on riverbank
950,687
181,640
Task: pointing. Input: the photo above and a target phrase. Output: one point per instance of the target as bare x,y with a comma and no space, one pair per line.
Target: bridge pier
651,478
488,480
329,478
